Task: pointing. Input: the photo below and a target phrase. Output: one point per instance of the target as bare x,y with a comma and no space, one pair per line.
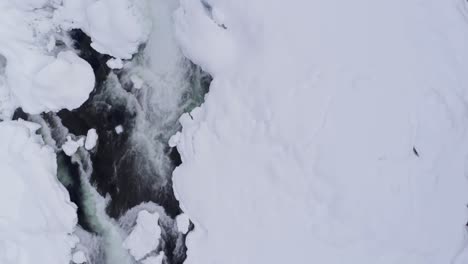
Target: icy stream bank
134,109
135,165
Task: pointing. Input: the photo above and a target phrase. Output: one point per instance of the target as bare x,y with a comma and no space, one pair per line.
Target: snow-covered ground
34,73
40,71
36,216
39,75
116,27
334,131
145,236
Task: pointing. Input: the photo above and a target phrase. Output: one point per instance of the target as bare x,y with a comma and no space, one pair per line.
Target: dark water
122,167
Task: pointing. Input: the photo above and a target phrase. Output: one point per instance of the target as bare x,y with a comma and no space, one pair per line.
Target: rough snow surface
65,82
36,215
145,236
91,139
334,132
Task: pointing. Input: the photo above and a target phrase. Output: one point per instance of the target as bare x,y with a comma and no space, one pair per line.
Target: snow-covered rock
183,223
36,215
115,63
334,131
91,139
79,257
144,238
116,27
32,77
119,129
71,146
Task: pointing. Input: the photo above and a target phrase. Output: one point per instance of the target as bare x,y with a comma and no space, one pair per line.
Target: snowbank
36,215
65,82
116,27
38,77
34,77
145,236
334,132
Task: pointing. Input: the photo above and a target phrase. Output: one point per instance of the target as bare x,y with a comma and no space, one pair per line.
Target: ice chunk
91,139
79,257
70,146
115,63
46,82
137,81
174,140
145,236
183,223
119,129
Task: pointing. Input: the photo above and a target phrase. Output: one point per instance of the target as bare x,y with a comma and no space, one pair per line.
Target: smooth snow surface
36,215
145,236
334,132
63,83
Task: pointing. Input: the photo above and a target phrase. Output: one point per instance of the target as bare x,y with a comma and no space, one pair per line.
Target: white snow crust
71,146
116,27
183,223
40,71
119,129
91,139
33,77
145,236
36,215
115,63
79,257
334,132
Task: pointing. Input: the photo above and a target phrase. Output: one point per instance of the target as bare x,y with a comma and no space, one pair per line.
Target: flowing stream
131,167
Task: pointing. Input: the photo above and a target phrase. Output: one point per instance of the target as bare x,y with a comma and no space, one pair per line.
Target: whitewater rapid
134,110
